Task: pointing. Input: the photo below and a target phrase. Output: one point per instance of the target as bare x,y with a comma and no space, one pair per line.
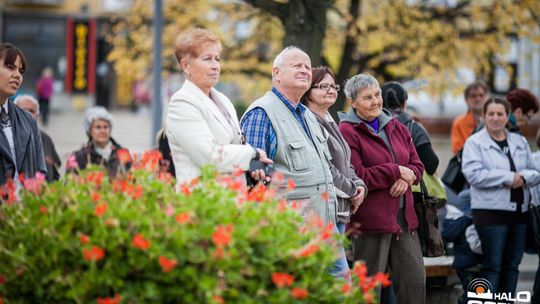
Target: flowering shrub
87,239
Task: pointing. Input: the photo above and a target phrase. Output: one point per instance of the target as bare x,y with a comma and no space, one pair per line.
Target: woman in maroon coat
384,156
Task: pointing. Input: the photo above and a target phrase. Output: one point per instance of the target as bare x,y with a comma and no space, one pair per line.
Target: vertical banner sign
80,77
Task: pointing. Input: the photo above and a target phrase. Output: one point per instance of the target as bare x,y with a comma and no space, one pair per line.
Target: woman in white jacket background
500,170
201,124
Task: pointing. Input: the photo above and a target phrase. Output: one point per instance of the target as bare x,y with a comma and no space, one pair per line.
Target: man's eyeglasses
327,86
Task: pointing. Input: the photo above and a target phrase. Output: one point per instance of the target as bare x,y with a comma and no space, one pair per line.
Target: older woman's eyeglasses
327,86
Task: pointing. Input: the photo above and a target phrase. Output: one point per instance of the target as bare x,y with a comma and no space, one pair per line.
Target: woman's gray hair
94,113
357,83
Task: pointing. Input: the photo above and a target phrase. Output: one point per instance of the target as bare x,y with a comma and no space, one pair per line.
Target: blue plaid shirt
258,130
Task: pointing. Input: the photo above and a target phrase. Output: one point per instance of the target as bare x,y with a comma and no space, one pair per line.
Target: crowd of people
356,175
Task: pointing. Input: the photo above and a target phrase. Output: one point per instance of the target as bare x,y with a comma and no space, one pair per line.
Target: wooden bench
442,283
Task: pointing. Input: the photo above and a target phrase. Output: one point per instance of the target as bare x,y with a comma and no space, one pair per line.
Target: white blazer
200,135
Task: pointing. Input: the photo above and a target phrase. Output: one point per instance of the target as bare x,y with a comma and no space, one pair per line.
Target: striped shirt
258,130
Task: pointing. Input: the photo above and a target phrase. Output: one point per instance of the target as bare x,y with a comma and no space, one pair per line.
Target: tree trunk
347,61
305,26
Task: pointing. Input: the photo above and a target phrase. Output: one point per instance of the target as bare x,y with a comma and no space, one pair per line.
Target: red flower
360,270
123,156
115,300
218,300
140,242
96,178
84,238
346,288
327,232
184,189
183,218
135,191
282,205
382,278
94,254
167,264
3,279
325,196
223,235
43,209
290,184
150,160
308,250
299,293
282,279
101,209
95,197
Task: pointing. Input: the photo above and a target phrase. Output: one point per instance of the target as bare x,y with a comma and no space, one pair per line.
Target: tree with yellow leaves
392,39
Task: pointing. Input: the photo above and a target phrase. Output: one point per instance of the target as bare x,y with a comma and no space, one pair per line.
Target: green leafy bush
87,239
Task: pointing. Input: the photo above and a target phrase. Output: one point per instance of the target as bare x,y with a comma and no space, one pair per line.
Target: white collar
5,106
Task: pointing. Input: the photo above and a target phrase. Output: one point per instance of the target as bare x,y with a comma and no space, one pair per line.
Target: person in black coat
21,150
52,160
101,149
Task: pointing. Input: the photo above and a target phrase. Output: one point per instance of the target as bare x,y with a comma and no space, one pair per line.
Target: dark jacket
374,164
28,146
341,159
88,155
421,141
52,160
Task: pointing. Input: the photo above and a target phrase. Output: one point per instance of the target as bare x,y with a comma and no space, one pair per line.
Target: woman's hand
407,175
399,188
518,181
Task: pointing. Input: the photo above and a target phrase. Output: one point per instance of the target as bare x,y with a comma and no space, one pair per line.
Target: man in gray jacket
291,136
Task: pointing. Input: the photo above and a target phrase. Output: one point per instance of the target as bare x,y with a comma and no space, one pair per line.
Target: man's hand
357,200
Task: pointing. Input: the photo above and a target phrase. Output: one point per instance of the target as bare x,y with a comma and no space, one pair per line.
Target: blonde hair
191,43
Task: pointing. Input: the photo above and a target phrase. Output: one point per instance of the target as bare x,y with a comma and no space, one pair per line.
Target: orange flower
368,297
150,160
167,264
84,238
140,242
218,300
382,278
43,209
184,189
346,288
96,178
123,156
360,270
115,300
223,235
282,279
308,250
183,218
135,191
299,293
3,279
101,209
327,232
94,254
282,205
325,196
95,197
290,184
